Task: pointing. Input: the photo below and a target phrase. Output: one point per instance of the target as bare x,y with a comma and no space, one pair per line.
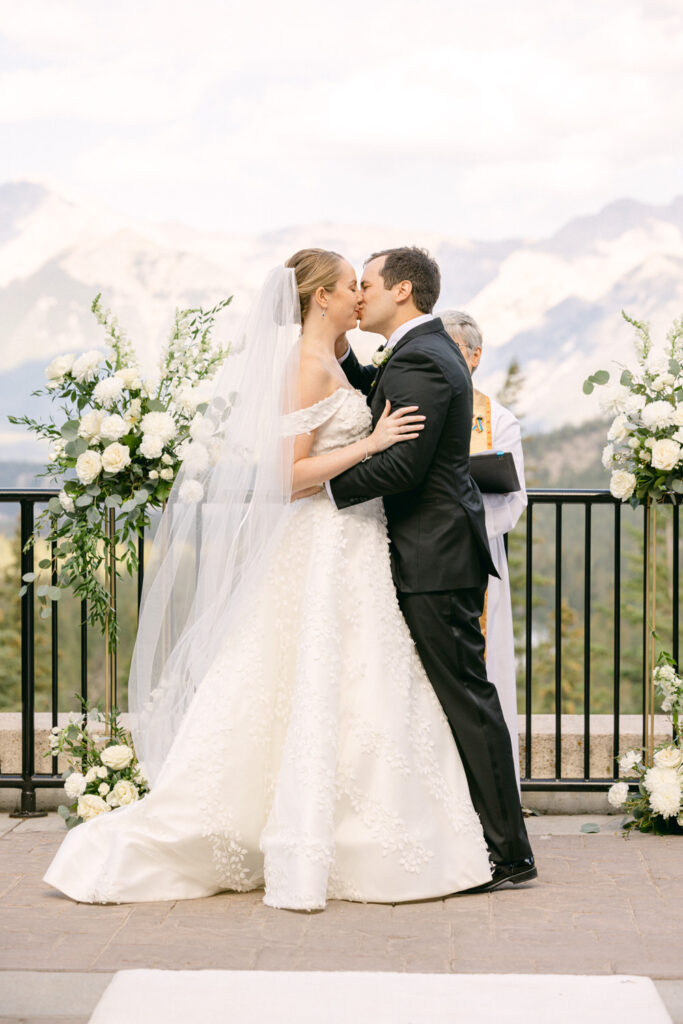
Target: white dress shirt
391,341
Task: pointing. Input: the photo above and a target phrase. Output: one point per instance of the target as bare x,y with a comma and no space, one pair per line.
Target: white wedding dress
315,758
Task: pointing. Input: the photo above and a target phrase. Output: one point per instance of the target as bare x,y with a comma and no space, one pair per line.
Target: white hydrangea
665,799
59,366
656,415
657,361
657,777
85,367
113,427
66,502
622,484
191,491
151,446
107,391
160,423
88,466
91,423
195,458
618,794
666,454
115,457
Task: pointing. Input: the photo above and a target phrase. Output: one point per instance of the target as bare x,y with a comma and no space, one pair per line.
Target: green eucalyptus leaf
83,500
674,367
600,377
590,826
55,506
23,590
113,500
92,515
42,590
587,387
677,486
626,378
156,405
75,448
64,812
29,577
45,613
93,489
69,430
44,563
54,593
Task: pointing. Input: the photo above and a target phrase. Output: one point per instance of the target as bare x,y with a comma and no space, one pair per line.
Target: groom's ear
403,291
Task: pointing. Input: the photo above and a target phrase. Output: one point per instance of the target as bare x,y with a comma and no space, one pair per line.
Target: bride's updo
314,268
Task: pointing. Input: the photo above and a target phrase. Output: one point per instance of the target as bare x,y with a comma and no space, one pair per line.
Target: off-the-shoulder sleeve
303,421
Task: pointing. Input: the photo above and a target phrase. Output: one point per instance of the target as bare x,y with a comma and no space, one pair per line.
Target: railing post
28,792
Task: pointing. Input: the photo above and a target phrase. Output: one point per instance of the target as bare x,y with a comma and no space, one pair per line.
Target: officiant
494,427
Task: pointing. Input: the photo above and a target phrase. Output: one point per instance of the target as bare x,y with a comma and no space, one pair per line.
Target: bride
290,735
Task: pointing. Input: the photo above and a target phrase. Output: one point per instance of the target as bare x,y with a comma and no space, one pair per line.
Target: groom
439,549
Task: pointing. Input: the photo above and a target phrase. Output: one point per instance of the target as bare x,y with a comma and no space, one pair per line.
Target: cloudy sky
479,120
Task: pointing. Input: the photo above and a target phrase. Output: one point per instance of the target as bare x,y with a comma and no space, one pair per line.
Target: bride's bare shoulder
315,381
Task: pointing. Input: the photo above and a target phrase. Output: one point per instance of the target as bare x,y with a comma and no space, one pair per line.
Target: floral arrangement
658,804
116,448
645,440
103,772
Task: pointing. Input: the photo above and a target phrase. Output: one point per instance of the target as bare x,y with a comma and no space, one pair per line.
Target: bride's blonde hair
314,268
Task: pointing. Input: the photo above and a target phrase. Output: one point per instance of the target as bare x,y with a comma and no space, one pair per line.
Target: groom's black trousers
445,628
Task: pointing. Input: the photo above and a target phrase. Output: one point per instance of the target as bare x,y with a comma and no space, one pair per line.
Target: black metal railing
28,781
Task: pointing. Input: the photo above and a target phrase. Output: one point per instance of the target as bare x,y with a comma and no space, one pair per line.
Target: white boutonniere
381,356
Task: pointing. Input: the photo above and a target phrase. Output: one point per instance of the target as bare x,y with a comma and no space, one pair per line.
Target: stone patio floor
602,904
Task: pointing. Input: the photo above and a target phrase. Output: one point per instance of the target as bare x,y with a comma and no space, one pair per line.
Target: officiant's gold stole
482,441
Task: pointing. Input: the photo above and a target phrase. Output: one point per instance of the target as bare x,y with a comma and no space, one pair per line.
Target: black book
494,472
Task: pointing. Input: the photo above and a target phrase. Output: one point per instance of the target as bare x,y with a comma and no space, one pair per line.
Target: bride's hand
402,425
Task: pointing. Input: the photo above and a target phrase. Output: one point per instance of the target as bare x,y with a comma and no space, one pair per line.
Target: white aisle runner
314,997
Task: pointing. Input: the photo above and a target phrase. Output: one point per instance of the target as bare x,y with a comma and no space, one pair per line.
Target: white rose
195,458
608,455
88,466
111,800
75,785
678,415
160,423
618,794
166,459
125,792
629,760
117,756
101,772
59,366
633,442
166,474
116,457
89,806
90,775
656,415
107,391
89,427
666,454
130,377
622,484
669,757
151,446
153,474
65,501
103,788
113,427
85,367
191,491
132,413
666,799
619,429
657,385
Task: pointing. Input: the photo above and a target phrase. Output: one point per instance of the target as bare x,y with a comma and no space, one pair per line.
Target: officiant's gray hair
462,327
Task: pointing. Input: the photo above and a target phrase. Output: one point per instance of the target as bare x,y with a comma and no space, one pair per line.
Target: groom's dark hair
415,265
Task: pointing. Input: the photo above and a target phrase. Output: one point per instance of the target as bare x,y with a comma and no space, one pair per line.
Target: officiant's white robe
502,513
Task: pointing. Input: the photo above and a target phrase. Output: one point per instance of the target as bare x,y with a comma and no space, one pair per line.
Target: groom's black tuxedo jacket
434,509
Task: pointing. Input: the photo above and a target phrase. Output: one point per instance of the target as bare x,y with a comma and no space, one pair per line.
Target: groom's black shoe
520,871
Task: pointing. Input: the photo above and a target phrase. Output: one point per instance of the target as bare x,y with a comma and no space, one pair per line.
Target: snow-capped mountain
553,304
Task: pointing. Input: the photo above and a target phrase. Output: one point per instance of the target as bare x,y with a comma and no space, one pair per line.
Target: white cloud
486,120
